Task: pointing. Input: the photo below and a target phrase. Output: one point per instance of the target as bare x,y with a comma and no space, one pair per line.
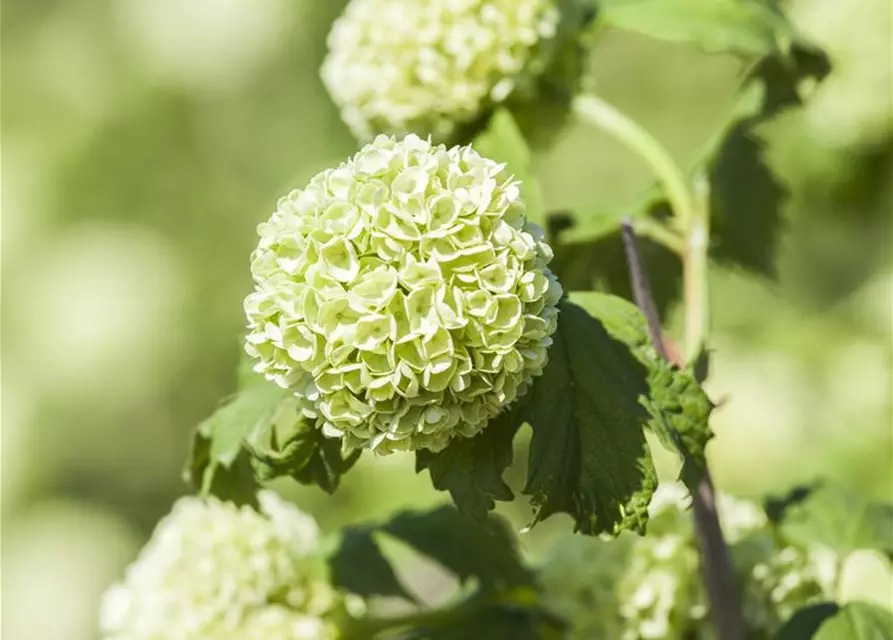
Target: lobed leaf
588,454
471,468
295,447
219,465
678,406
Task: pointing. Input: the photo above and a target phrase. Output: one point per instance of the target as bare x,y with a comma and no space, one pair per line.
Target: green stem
604,116
694,274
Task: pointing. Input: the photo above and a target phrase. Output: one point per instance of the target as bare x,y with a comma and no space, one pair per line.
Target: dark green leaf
744,27
465,546
746,198
235,482
857,621
296,447
804,624
471,468
359,566
588,454
839,519
502,620
776,507
678,406
503,141
590,253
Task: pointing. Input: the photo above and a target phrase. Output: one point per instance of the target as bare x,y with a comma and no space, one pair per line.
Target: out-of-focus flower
403,296
650,587
214,570
403,66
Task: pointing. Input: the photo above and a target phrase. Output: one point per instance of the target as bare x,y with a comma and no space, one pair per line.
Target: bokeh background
143,141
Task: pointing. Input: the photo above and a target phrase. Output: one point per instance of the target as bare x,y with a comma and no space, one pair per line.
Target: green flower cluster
402,296
215,571
650,588
405,66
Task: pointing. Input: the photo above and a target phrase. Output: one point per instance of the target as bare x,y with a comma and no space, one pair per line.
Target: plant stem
694,274
604,116
692,219
716,565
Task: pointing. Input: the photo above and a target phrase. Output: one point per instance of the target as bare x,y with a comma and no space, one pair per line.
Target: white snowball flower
403,296
214,570
411,66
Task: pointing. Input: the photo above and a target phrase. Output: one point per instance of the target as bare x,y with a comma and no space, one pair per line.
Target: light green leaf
588,454
837,518
503,141
219,465
249,410
471,468
679,407
744,27
857,621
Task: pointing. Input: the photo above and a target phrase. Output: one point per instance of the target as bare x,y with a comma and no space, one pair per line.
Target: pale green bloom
213,570
405,66
644,588
403,295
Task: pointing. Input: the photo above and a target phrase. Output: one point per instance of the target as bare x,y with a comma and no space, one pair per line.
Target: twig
716,565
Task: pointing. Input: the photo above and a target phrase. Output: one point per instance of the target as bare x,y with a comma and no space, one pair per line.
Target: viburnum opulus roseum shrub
406,300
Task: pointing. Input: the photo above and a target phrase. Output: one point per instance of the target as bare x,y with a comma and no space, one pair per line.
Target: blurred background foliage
142,142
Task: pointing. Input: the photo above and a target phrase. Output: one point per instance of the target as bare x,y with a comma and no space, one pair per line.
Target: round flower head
403,295
212,570
405,66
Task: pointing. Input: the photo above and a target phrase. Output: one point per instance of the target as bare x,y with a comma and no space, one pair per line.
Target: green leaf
471,468
359,566
678,406
503,141
296,447
746,198
249,410
515,617
467,547
839,519
744,27
857,621
805,622
219,465
588,454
